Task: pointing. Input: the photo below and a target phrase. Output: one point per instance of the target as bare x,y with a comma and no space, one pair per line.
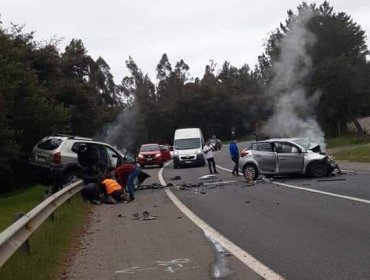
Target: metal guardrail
15,235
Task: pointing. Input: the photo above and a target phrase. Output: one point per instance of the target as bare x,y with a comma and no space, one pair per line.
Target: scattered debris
208,177
203,192
247,202
154,186
219,183
176,178
249,178
146,216
277,203
180,217
331,180
120,216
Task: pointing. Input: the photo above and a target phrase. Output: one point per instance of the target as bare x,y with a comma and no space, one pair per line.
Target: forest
44,90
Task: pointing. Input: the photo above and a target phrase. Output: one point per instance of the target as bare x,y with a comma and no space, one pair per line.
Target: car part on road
331,180
146,216
176,178
154,186
207,177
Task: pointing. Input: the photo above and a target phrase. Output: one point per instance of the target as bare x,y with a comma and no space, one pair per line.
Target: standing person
234,153
208,151
126,175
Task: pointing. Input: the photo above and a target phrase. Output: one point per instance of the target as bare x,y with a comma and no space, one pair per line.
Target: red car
153,154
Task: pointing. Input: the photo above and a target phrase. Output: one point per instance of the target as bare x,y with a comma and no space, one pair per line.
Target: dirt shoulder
120,244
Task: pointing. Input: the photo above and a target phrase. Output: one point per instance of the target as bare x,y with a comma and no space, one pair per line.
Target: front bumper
193,160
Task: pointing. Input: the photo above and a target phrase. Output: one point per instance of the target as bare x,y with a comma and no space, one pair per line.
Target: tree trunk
360,130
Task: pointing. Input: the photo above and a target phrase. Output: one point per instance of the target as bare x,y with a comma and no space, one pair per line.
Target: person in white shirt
208,152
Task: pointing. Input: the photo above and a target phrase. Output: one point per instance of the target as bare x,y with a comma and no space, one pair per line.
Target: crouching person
92,193
114,191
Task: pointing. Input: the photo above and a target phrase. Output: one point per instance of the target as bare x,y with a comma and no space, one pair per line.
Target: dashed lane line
238,252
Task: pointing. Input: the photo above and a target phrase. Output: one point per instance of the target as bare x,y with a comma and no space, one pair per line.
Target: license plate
41,158
187,161
149,159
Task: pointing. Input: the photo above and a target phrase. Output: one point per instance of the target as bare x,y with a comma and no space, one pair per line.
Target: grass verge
346,140
50,244
20,202
360,153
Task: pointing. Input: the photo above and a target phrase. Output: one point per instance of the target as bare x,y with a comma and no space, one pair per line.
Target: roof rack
71,136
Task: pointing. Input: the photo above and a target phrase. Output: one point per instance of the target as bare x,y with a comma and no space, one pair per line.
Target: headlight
175,153
199,152
157,155
140,156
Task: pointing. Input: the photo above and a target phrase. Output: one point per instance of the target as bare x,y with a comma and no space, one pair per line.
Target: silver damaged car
284,156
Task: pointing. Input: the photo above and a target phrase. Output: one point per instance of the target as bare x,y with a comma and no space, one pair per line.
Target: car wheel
175,165
250,169
318,169
161,164
142,166
70,177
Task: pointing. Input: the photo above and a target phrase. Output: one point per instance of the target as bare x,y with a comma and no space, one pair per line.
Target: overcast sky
193,30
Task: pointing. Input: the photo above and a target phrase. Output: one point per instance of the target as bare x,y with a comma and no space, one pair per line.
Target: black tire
71,176
175,165
250,168
318,169
161,165
142,166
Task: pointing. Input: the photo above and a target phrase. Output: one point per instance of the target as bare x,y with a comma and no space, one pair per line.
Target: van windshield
184,144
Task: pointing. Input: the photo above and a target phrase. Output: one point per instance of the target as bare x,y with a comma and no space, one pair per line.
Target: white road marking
315,191
238,252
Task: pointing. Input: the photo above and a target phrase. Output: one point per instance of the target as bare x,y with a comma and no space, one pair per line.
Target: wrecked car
285,156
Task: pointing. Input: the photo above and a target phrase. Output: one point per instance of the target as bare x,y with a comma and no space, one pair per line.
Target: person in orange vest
112,188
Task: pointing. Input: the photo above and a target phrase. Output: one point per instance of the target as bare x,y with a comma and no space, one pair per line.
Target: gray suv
285,156
54,158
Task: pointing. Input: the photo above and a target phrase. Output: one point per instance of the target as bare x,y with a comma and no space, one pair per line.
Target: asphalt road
296,233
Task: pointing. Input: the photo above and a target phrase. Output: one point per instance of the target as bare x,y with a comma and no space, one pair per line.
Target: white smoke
293,110
121,133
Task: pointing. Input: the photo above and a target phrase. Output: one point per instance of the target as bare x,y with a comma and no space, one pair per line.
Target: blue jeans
130,181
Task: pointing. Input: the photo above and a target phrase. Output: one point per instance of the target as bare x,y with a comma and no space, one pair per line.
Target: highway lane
298,234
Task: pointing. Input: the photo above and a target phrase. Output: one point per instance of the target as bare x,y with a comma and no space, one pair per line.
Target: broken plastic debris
146,216
207,177
176,178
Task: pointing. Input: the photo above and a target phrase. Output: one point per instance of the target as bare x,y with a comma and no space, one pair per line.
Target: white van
188,147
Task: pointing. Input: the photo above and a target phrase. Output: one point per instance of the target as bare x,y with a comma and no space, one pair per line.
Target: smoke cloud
122,132
293,110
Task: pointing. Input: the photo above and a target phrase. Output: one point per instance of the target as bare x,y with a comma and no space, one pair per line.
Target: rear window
49,144
149,148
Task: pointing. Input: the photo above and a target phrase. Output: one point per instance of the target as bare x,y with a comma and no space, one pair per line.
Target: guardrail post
25,248
48,191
